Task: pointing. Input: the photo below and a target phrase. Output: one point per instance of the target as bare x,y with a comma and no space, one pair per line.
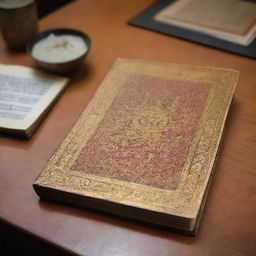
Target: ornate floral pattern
174,114
145,134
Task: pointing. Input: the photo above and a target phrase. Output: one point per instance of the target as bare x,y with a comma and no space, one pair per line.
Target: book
230,20
146,19
26,95
145,145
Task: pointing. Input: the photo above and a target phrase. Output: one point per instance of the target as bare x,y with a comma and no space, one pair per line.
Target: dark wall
45,6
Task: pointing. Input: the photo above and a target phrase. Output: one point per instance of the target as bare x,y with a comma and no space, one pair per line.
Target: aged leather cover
145,145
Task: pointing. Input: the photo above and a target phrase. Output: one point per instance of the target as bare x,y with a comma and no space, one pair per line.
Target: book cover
145,145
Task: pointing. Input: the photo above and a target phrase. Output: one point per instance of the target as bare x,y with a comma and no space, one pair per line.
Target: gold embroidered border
186,199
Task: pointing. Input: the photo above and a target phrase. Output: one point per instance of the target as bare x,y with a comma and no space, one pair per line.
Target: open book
145,145
26,95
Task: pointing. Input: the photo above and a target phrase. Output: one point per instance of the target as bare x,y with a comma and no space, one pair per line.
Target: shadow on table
115,220
14,242
134,225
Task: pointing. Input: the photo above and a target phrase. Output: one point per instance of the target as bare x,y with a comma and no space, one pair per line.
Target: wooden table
228,226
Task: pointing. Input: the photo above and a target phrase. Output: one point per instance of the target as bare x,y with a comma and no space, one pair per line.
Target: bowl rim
57,31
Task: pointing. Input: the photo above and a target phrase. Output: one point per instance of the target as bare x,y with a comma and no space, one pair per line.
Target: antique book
145,145
26,95
230,20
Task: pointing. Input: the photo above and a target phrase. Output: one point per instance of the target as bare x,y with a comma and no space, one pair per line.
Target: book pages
145,146
25,95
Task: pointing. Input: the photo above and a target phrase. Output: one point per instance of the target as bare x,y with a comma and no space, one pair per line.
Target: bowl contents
59,48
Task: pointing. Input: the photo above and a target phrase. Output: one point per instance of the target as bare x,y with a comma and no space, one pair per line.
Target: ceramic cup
18,22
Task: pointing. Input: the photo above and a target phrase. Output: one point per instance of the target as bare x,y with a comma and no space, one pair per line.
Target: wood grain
228,226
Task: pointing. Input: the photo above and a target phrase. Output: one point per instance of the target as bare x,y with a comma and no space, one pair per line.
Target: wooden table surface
229,223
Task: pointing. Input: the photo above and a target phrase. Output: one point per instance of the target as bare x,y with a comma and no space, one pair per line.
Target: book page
25,94
230,20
